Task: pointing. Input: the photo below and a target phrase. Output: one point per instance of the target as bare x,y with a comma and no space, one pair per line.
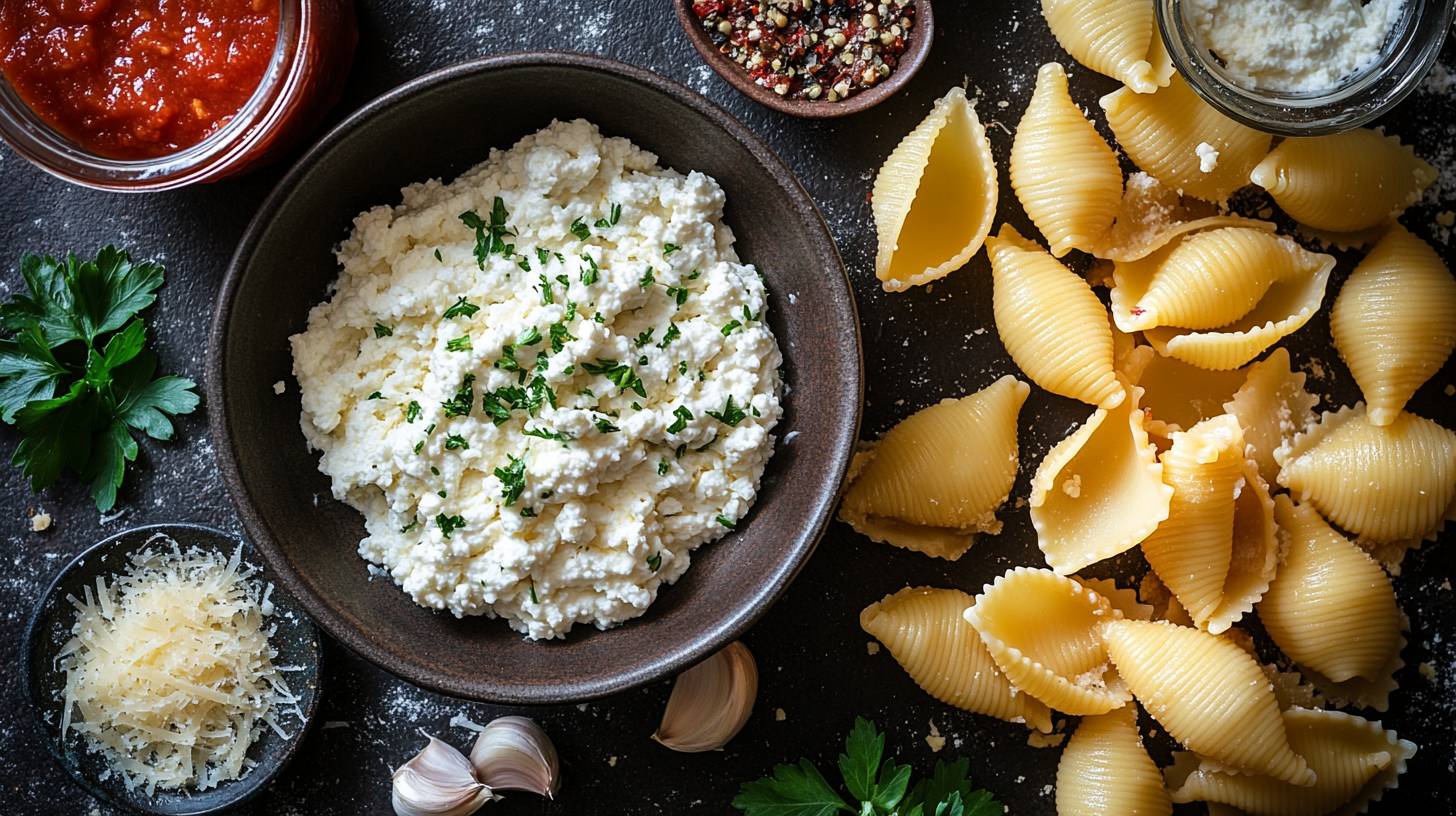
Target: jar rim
60,155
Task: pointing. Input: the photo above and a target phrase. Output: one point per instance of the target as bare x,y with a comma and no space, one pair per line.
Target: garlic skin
438,781
514,753
710,702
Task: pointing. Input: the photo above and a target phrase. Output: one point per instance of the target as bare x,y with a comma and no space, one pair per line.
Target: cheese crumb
1037,739
279,387
935,740
1427,671
872,647
1446,219
1207,157
1446,585
40,521
1073,486
612,761
779,715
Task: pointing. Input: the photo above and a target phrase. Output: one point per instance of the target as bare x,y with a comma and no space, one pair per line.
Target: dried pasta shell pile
1204,448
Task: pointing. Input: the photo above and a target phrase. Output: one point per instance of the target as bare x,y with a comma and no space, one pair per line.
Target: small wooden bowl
736,75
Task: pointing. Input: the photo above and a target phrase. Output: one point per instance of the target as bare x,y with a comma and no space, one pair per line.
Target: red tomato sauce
136,79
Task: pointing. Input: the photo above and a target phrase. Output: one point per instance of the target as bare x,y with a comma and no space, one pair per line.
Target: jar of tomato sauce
137,95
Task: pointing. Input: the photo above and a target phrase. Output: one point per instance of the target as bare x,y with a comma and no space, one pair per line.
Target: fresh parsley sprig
879,789
489,235
78,334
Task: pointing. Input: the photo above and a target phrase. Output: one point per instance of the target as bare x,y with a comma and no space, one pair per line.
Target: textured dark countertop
921,346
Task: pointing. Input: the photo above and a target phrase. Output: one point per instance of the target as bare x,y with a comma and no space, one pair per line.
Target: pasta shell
1165,604
1292,691
1100,491
1161,132
1355,760
1359,692
1394,322
935,197
1053,325
1217,550
1331,608
1382,483
1180,396
1346,182
923,629
1391,553
1041,629
1208,279
1112,37
1105,770
1272,406
1063,172
1150,215
1123,600
936,479
1209,694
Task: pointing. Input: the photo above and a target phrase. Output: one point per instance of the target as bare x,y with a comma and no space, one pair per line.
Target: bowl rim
910,62
255,784
339,626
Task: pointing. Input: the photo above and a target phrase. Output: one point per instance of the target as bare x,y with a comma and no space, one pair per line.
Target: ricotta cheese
1293,45
543,384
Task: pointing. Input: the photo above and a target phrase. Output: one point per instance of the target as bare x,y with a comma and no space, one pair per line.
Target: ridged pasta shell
1394,321
1064,173
1052,324
1100,491
936,479
1217,550
923,629
1161,132
1391,553
1150,215
1208,279
1355,760
1112,37
1359,692
1123,600
935,196
1165,604
1106,770
1291,690
1180,396
1346,182
1331,607
1381,483
1041,629
1272,406
1208,693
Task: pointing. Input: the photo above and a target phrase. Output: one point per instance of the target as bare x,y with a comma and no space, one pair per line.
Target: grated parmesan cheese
171,671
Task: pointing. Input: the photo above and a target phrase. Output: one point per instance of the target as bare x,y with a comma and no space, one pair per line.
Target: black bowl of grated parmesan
166,672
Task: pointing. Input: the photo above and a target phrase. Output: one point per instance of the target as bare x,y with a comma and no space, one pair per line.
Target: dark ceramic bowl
296,640
910,62
436,127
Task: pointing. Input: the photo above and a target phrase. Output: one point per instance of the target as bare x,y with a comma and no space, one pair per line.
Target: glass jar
316,40
1407,55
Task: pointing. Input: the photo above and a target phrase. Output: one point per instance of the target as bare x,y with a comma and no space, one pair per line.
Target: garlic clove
710,702
438,781
514,753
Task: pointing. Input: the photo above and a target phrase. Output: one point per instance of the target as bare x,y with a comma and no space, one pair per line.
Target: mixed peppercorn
825,50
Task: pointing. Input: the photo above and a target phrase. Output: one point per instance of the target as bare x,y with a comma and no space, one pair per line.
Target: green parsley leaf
726,522
463,400
544,433
682,367
668,249
590,275
605,427
644,338
670,335
489,237
693,276
512,479
546,296
411,525
462,308
490,405
542,255
654,561
662,467
863,749
449,524
461,343
611,219
683,417
598,318
621,375
580,229
375,395
560,336
731,414
529,512
524,264
791,791
529,337
636,406
540,393
750,316
419,446
429,429
533,580
728,329
437,256
381,330
678,293
412,412
709,445
681,449
587,392
434,471
647,279
456,442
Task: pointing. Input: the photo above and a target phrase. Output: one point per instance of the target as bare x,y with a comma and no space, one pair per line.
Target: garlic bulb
513,753
710,702
438,781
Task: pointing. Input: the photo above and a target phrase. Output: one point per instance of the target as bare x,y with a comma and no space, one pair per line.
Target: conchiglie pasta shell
923,629
1381,483
937,478
1359,692
1331,608
1063,172
1292,691
1053,325
1208,693
1106,770
1394,321
1272,406
1150,215
1165,604
935,197
1346,182
1354,759
1099,491
1112,37
1123,600
1180,395
1161,131
1041,629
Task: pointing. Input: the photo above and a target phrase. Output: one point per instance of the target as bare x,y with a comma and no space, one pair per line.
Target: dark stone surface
920,346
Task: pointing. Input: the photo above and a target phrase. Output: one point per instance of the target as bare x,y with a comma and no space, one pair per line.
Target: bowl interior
437,127
296,640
